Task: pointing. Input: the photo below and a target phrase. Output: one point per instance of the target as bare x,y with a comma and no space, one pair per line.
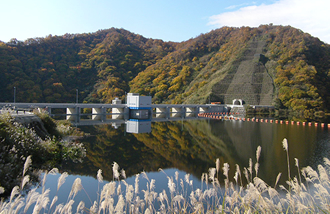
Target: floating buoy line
233,116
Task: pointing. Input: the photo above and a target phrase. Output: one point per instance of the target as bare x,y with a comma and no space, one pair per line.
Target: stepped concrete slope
249,81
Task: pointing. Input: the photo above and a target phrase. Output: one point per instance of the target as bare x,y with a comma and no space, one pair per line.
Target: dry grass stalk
312,196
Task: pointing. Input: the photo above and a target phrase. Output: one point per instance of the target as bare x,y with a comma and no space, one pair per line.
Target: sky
169,20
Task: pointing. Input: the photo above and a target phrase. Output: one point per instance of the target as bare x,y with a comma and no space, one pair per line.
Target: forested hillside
99,65
268,65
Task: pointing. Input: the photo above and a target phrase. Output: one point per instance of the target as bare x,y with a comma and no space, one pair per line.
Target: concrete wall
138,101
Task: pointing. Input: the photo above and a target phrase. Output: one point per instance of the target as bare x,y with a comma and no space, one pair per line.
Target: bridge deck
62,105
96,105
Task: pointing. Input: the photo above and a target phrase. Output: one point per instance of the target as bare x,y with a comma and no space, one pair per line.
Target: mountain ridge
268,65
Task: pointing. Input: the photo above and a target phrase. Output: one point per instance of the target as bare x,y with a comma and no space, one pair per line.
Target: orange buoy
298,123
292,122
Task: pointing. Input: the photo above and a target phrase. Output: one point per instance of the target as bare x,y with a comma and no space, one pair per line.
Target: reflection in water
138,126
242,140
194,145
107,145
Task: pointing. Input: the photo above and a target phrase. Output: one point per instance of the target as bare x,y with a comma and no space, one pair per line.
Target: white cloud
310,16
238,6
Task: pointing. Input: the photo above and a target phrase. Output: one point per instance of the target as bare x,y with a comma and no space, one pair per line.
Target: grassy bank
19,142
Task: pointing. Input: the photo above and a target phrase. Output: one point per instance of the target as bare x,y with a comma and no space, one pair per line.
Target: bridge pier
162,110
73,114
118,113
203,109
178,109
190,109
99,113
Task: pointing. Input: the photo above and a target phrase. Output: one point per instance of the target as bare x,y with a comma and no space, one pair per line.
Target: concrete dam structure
136,105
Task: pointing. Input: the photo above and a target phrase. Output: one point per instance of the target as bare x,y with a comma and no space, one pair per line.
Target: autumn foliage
110,63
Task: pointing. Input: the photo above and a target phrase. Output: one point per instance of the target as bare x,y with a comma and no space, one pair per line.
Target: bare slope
250,81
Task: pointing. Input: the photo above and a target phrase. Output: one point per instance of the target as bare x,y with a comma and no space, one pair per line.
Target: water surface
192,146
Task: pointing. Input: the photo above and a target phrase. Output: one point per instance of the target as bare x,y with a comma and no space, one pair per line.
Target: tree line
110,63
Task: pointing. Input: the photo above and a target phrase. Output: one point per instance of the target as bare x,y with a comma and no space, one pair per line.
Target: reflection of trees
243,138
168,145
193,146
190,146
177,146
207,139
108,145
302,141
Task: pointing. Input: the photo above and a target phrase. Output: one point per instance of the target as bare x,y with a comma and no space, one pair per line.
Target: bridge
137,118
136,107
132,125
73,110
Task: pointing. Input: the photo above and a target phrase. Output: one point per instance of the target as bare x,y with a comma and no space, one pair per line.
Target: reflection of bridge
121,119
137,126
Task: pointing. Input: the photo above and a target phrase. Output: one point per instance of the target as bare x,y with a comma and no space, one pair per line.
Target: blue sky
169,20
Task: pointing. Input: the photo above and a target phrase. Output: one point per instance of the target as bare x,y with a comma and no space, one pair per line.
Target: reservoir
190,147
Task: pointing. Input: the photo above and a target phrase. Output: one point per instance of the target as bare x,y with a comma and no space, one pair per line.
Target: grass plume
309,193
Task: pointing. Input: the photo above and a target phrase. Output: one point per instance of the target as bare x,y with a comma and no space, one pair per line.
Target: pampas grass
27,164
286,148
308,193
